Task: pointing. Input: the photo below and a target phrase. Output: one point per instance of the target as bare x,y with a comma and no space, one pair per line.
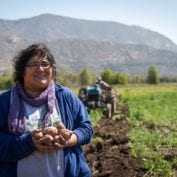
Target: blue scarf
16,117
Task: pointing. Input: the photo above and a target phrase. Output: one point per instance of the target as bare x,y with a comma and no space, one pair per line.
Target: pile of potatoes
52,134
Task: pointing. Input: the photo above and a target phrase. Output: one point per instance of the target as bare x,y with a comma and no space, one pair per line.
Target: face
38,74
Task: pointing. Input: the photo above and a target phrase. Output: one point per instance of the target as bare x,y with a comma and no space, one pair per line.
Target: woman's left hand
63,138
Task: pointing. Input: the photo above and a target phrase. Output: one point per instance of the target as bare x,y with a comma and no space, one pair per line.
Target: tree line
87,77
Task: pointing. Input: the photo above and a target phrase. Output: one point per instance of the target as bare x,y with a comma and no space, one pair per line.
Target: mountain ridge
96,44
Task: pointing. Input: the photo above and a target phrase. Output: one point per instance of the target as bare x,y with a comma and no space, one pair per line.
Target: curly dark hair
20,61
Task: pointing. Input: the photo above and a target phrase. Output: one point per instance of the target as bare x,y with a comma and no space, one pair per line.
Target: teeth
41,77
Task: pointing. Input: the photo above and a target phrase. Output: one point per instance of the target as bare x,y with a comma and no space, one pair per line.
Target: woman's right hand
39,141
45,143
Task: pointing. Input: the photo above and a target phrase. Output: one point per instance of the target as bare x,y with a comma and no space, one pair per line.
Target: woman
34,104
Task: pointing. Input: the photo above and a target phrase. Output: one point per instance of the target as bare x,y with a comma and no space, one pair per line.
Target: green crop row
153,118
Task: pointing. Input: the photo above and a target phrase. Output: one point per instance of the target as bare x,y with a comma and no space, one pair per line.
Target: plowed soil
109,153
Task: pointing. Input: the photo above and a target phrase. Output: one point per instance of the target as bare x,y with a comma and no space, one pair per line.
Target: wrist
72,141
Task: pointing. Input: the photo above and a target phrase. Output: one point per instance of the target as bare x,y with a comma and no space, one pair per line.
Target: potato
56,138
48,138
51,131
60,126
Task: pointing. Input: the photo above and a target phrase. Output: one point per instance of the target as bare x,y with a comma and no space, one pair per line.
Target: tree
6,82
86,77
152,77
108,76
121,79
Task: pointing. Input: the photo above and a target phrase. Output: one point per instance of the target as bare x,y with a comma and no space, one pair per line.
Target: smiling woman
34,68
29,110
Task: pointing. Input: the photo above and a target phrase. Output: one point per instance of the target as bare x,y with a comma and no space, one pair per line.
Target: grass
95,115
153,116
153,119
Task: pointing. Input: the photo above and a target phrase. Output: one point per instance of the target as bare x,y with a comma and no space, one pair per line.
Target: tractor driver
103,85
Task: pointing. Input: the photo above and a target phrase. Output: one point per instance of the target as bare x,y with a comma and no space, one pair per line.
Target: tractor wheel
83,95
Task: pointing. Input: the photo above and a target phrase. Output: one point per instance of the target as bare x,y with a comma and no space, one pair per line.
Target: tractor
95,97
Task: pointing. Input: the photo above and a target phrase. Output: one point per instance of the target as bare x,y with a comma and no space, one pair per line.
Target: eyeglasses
35,65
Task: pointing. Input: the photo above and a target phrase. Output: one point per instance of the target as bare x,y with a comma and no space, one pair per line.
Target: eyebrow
38,61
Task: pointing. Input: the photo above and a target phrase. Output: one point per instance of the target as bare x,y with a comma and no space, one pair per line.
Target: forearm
84,134
14,148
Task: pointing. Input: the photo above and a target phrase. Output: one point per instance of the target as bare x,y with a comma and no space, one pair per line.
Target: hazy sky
156,15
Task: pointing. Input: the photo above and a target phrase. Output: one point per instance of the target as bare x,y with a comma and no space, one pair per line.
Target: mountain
126,58
95,44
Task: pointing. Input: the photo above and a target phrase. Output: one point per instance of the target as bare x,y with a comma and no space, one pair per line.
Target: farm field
153,133
142,142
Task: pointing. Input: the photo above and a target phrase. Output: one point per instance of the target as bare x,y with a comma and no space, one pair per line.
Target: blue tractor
95,97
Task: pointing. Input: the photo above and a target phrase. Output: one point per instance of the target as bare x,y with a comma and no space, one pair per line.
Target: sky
157,15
